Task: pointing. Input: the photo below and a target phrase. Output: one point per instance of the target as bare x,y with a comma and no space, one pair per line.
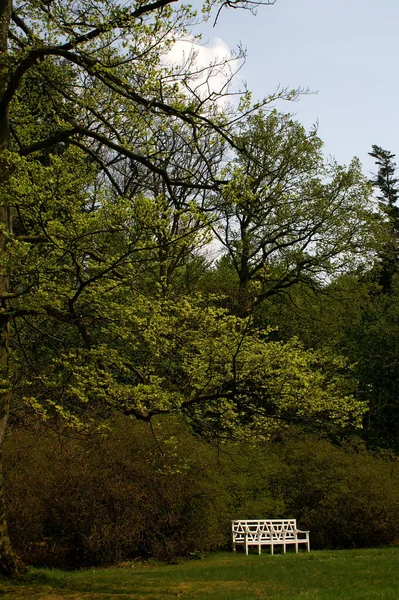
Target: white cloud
205,70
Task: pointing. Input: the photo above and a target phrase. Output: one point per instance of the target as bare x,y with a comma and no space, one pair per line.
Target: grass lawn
349,575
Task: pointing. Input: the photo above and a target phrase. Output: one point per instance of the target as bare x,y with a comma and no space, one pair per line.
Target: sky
345,51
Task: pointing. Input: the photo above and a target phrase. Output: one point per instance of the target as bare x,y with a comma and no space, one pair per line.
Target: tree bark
244,300
10,564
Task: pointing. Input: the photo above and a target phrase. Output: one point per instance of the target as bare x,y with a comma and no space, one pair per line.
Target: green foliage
85,502
386,181
111,182
387,184
96,332
287,215
160,492
373,343
319,318
151,356
345,497
111,173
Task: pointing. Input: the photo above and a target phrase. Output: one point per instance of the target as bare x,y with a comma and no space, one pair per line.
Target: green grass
350,574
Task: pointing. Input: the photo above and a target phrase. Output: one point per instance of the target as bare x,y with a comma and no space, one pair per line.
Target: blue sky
345,50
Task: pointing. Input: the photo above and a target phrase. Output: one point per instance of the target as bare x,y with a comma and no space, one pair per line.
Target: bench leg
284,548
296,547
259,549
234,547
246,546
272,549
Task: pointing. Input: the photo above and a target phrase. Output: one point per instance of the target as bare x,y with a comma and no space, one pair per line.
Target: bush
346,497
84,502
162,493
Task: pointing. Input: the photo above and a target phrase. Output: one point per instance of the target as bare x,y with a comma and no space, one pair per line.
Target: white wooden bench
268,532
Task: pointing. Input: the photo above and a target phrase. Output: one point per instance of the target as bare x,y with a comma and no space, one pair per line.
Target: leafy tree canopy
112,173
287,215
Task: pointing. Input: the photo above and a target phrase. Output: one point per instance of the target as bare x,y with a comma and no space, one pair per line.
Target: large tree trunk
244,299
10,564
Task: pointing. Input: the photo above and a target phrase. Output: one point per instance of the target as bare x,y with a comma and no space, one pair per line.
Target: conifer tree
388,185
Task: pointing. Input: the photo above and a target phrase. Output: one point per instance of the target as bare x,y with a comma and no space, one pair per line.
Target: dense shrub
99,500
345,497
162,493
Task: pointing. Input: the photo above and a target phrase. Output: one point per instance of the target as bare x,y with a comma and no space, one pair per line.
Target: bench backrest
272,528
